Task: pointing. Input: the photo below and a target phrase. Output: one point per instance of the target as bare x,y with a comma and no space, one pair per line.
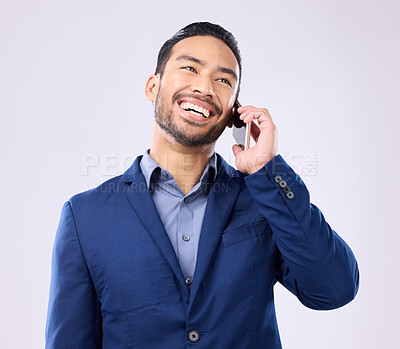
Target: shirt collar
150,168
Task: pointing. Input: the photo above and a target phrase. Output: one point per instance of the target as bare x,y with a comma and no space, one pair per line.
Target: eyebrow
203,63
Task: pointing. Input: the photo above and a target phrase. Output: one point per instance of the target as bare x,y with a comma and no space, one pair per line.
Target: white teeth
195,113
204,111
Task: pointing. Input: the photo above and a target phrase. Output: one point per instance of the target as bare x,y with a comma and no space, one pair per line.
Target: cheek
179,80
228,103
174,86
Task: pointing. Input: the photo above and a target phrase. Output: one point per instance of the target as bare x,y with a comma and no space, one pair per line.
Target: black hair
199,29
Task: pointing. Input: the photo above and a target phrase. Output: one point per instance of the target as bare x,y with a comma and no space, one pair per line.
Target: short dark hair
199,29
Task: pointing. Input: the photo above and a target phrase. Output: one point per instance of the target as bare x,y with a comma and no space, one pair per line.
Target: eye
189,68
225,81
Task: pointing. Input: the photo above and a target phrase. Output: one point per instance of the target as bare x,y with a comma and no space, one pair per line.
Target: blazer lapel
221,199
140,199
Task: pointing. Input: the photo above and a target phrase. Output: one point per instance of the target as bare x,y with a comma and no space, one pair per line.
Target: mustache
186,95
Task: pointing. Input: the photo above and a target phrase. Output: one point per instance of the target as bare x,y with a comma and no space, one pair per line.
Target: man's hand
265,134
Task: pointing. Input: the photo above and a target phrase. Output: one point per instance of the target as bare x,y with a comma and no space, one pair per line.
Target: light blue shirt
182,215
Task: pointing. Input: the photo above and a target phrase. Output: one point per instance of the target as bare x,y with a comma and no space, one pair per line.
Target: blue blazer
116,282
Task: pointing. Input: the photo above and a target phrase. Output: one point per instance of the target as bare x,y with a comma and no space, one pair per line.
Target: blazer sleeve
74,316
315,263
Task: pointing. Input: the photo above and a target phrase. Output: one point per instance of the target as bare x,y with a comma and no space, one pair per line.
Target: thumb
236,148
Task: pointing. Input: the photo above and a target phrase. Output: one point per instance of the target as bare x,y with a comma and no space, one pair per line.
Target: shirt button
186,237
188,281
164,174
185,200
193,336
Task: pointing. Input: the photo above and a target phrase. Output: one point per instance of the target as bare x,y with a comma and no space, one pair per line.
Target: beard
165,120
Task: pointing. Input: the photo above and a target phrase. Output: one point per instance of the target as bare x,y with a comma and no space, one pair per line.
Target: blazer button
188,281
286,189
290,195
193,336
277,178
282,183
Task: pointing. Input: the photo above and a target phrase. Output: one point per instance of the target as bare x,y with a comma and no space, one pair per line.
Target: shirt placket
185,239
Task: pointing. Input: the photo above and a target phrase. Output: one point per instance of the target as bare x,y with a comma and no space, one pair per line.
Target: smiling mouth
196,110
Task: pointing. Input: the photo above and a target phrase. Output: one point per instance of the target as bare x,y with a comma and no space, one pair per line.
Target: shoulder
99,195
108,192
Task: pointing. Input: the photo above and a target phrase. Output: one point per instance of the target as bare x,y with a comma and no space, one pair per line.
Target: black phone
236,116
240,130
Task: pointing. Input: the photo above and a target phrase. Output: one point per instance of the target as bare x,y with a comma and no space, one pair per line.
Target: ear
152,86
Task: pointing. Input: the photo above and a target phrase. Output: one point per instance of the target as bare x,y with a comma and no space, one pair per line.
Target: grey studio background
73,114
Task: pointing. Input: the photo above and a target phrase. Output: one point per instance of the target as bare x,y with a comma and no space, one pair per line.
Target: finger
249,111
244,108
258,115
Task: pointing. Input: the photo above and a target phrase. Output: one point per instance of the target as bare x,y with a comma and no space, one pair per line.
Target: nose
203,85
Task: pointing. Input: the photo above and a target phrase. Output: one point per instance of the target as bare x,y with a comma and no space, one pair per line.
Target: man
182,250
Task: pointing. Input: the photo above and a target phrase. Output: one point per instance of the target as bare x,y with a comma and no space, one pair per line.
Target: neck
186,164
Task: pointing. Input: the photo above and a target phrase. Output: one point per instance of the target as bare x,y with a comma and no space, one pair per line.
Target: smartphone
240,130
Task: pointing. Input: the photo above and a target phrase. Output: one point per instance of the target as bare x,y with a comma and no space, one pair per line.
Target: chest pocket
246,232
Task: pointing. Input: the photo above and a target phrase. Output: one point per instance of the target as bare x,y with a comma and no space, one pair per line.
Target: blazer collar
221,198
140,199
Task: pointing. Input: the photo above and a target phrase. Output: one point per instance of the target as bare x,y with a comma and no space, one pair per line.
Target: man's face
197,91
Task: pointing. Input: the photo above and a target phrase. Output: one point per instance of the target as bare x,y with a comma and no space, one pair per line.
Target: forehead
207,48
